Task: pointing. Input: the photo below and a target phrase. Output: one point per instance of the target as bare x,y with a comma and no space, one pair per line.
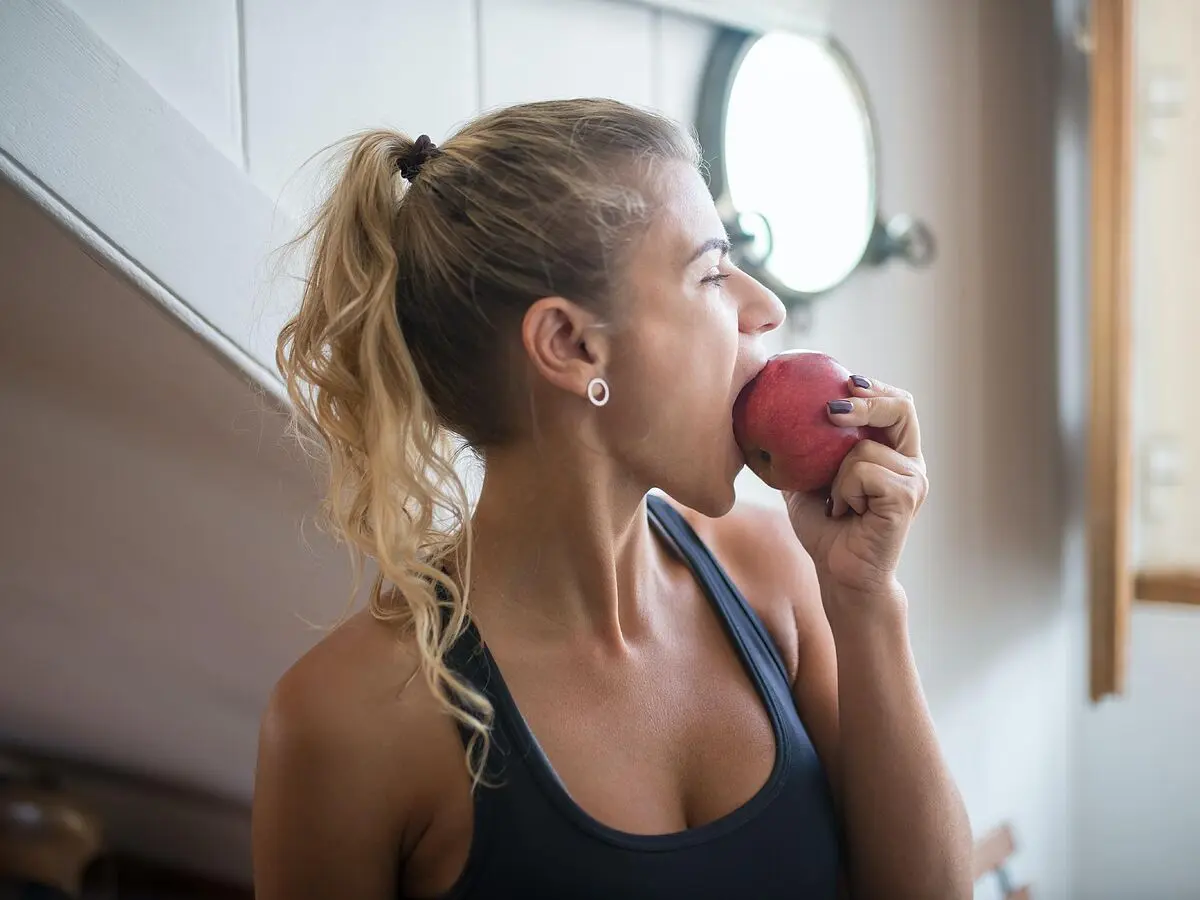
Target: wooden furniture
46,837
125,877
992,852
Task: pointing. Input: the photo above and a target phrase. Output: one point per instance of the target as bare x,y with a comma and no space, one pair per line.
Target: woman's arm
320,830
342,787
907,828
906,825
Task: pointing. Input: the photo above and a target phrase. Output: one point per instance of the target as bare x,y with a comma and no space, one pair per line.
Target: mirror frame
901,236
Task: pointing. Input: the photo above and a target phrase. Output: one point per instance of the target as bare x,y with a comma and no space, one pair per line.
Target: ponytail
394,495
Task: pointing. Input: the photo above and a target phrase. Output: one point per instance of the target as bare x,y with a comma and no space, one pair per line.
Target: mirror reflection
799,150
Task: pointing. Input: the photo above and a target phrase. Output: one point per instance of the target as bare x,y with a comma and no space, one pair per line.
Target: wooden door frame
1110,439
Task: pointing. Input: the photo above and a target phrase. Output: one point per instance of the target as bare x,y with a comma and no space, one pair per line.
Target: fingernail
829,507
840,406
861,382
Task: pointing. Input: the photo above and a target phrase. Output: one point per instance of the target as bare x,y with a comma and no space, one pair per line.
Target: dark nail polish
829,507
861,382
840,406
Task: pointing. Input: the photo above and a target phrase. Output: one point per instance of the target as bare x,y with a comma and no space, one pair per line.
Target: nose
760,311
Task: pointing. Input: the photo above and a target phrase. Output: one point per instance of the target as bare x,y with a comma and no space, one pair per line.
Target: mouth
759,365
738,459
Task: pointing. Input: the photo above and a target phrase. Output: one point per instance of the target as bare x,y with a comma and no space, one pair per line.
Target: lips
759,364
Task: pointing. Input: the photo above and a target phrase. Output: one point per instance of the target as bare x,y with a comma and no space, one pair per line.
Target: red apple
782,424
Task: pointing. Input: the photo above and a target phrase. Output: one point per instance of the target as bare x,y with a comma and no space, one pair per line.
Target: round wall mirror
791,141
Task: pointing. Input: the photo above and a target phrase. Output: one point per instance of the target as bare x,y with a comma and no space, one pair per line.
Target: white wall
315,74
1137,818
1166,279
964,96
272,82
188,51
433,66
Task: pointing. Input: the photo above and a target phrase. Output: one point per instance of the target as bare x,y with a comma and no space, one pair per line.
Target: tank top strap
743,621
468,658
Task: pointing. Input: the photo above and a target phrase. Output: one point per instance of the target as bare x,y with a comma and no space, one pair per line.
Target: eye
714,276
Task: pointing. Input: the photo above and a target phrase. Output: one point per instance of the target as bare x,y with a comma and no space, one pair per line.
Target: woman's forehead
687,216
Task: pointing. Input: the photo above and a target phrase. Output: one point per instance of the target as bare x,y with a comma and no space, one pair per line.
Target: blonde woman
580,689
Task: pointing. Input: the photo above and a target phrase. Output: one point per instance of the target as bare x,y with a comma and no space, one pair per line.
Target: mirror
821,193
791,142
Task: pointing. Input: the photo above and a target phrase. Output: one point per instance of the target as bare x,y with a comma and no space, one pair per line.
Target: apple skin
781,421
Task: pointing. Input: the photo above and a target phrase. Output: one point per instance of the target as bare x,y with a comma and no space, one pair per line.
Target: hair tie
410,163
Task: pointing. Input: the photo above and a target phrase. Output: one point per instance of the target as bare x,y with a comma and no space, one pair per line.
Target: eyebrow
720,243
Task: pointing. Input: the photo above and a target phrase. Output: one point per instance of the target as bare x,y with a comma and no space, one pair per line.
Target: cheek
682,347
712,339
647,369
695,349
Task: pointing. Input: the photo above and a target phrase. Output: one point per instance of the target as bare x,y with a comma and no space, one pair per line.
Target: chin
712,499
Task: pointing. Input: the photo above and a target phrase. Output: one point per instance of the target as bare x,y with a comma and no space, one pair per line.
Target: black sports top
532,841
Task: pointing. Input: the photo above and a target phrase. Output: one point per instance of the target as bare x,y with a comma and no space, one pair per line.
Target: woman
580,689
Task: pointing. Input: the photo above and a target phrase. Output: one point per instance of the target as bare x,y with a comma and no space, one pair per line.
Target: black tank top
531,841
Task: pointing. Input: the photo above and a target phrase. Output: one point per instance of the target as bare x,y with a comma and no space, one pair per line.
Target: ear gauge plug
598,392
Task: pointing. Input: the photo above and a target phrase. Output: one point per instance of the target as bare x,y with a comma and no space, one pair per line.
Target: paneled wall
272,82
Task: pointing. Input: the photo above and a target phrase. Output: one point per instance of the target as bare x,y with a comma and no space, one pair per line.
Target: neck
563,546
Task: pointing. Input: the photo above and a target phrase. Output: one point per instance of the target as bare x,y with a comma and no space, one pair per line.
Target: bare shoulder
757,546
352,751
357,698
325,701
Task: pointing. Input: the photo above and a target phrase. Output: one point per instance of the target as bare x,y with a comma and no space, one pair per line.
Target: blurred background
1006,189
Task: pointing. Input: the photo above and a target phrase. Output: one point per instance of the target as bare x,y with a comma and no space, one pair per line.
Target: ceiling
153,572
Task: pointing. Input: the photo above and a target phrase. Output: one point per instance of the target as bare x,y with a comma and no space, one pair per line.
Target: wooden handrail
992,851
991,855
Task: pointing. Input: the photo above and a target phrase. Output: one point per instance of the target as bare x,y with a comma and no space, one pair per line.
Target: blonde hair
409,315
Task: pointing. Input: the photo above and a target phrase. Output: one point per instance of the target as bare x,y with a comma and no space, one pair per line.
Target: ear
566,343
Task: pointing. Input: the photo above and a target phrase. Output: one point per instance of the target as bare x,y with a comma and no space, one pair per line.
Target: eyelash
715,279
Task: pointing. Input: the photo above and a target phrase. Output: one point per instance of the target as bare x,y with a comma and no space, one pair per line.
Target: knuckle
922,486
913,497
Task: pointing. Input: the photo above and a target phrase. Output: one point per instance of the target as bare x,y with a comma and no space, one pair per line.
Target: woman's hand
856,532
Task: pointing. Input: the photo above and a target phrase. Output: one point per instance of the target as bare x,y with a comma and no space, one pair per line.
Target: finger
883,455
866,486
814,503
864,387
895,417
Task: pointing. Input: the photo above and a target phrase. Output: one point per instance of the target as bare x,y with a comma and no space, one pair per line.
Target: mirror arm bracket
901,237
